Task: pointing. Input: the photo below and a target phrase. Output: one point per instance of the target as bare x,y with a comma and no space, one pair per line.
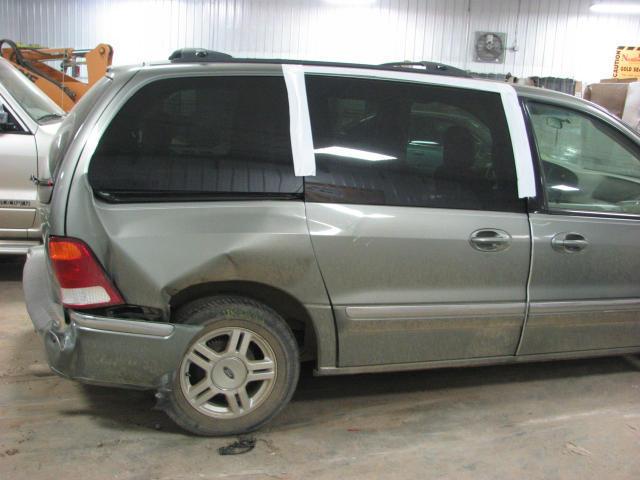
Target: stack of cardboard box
620,97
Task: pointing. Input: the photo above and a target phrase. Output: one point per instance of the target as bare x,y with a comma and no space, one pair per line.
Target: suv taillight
83,282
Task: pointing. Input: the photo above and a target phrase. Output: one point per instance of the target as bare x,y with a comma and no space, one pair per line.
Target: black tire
233,311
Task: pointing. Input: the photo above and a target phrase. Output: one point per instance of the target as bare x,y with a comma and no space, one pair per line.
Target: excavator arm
64,89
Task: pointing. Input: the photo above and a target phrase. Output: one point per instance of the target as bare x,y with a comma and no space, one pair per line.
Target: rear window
222,137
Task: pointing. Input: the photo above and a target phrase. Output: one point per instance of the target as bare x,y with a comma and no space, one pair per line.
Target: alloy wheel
228,372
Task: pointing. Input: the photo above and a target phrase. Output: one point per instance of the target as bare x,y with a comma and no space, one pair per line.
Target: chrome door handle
569,243
490,240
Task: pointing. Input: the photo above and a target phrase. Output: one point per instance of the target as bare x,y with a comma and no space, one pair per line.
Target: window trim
537,204
128,196
541,203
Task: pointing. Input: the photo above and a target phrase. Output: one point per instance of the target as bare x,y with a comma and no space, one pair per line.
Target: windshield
37,105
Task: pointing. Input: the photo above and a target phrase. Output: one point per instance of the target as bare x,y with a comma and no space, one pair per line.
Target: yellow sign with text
627,63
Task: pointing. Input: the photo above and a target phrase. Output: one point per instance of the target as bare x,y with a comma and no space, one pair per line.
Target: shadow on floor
450,378
122,409
11,267
133,410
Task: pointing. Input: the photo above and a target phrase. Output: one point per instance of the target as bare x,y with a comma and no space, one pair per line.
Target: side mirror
4,118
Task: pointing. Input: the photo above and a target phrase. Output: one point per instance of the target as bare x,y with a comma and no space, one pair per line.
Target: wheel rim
227,373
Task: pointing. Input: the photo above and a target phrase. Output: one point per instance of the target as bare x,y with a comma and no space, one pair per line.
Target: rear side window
391,143
199,137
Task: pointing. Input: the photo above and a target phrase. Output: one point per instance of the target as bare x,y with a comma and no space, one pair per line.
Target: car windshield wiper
49,116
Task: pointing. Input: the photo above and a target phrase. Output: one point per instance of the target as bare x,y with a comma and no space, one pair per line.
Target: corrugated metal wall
554,37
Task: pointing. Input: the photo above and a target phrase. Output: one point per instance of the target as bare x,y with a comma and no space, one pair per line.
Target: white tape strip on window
304,160
520,142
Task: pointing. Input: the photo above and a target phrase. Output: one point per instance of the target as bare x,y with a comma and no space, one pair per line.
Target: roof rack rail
429,67
202,55
186,55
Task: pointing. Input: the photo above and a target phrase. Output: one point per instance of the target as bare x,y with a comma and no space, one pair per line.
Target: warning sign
627,63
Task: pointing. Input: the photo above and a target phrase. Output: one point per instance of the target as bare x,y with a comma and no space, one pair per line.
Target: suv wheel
238,372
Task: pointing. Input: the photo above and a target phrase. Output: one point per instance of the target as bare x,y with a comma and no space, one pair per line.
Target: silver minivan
215,223
29,121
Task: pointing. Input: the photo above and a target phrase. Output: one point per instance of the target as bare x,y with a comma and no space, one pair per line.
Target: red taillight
83,283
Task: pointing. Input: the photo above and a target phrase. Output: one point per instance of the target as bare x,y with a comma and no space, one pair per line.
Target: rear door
415,220
18,158
585,278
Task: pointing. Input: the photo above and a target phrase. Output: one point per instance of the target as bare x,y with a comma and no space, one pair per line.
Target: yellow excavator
63,86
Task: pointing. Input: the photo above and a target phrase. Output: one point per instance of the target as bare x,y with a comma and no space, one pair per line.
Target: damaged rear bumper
101,350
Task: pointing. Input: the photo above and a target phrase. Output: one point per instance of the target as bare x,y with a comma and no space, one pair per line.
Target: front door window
587,165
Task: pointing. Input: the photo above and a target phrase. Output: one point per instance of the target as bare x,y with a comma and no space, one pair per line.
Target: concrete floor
565,420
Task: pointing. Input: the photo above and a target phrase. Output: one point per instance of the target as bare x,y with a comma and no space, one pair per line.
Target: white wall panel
554,37
9,19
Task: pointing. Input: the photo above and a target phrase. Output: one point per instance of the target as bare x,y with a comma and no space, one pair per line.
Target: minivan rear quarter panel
155,250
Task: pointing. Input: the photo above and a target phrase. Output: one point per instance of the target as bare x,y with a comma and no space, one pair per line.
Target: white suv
28,122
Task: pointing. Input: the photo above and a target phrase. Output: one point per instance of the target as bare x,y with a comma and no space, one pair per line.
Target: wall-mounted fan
489,47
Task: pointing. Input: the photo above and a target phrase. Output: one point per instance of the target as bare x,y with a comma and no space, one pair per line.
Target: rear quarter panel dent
176,245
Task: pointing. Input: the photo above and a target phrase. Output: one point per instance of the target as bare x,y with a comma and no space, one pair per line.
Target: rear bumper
101,350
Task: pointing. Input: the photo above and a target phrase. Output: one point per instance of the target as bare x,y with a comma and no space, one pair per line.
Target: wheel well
286,305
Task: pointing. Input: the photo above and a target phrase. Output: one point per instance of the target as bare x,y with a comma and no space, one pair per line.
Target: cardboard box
618,80
611,96
631,114
578,91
